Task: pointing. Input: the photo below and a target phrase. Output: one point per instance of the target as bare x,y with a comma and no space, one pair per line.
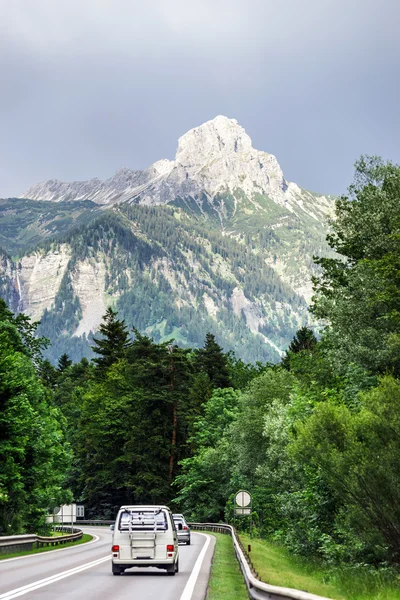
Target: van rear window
143,520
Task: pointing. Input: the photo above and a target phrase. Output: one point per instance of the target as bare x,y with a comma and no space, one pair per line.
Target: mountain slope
26,223
167,275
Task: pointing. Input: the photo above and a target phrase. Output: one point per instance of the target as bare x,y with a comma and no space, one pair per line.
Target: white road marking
95,539
48,580
189,587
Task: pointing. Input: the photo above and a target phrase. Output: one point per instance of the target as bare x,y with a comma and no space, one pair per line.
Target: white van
144,536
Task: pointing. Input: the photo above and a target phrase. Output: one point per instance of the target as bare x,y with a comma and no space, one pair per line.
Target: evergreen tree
304,340
241,373
113,344
133,427
48,374
200,390
211,360
164,371
64,362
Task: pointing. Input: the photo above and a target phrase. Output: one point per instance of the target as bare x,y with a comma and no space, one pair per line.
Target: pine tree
113,344
64,362
48,374
211,360
303,340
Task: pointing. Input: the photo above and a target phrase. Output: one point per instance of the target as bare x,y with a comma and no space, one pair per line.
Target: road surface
84,573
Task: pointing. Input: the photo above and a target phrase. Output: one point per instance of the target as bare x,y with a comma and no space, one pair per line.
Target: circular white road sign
243,498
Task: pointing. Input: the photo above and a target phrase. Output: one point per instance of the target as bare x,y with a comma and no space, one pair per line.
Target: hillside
26,223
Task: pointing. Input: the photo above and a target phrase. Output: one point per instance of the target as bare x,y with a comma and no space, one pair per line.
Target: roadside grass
275,565
226,580
84,539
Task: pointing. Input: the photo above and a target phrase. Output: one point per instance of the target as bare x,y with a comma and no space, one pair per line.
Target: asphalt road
84,573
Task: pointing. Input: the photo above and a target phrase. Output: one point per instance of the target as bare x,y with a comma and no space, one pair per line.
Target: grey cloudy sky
88,86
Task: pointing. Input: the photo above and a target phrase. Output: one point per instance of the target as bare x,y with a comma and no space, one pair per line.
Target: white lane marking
48,580
95,539
189,587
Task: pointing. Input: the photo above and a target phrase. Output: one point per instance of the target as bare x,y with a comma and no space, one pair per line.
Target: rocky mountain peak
220,136
216,158
219,155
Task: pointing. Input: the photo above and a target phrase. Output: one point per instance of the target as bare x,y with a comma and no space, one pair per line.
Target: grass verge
275,565
84,539
226,580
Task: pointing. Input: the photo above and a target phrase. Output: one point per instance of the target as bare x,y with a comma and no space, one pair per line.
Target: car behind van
182,529
144,536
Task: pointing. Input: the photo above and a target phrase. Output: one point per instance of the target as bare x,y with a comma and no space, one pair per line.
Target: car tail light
170,548
115,549
185,528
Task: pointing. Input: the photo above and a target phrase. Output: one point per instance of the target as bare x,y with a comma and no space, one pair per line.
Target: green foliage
217,414
204,482
358,293
26,223
133,425
277,566
26,339
241,373
317,443
303,340
113,344
33,454
257,405
64,362
359,452
211,360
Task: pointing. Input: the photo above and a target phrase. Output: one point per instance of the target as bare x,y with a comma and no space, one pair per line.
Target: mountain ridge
216,240
215,158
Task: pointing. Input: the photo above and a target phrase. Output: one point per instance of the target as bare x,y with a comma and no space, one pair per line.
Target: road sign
243,506
242,511
243,499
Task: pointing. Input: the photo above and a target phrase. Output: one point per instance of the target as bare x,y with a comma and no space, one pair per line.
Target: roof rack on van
140,520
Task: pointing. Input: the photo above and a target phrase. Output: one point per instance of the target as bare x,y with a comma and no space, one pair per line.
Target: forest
159,271
315,438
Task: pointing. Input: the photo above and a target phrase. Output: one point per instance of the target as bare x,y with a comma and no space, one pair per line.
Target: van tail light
170,548
115,549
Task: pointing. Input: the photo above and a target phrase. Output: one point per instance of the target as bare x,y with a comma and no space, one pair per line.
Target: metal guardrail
11,544
95,522
258,590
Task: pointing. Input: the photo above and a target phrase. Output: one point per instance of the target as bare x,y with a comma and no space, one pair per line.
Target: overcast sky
88,86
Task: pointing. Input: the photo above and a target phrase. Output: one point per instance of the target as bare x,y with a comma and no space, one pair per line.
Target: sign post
243,506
